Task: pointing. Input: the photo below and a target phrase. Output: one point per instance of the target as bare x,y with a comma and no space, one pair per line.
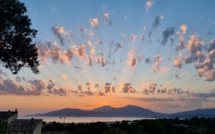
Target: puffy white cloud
194,44
94,22
178,62
149,4
195,48
183,28
80,51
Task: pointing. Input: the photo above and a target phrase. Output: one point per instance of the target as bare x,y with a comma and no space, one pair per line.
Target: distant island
126,111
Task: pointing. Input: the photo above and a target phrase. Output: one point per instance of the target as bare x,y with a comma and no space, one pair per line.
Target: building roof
4,115
23,125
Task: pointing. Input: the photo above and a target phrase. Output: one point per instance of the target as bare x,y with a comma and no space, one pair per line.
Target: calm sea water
81,119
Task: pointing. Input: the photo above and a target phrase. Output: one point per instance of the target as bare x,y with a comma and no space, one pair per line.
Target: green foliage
2,126
17,49
54,126
157,126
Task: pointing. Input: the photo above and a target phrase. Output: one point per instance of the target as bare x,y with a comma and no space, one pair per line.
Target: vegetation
3,125
17,49
157,126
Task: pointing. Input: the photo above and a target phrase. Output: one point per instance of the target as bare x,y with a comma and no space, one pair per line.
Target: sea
82,119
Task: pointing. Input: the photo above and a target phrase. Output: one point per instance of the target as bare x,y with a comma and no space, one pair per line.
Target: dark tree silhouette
17,49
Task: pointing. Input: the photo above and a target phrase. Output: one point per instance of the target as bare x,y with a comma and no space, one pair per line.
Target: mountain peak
127,111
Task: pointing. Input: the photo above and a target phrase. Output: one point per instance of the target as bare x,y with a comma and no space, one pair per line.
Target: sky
155,54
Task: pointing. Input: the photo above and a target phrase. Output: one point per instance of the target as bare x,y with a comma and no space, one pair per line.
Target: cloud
101,60
79,88
108,88
162,90
58,31
178,62
149,4
55,53
210,75
43,51
132,61
94,22
96,85
88,93
181,44
158,60
212,45
51,84
145,91
9,87
90,44
106,18
80,51
37,85
58,91
204,62
183,28
173,104
133,37
204,95
68,55
156,22
166,34
175,90
153,88
88,86
142,37
194,44
65,77
127,88
90,60
3,74
150,88
118,46
92,52
101,93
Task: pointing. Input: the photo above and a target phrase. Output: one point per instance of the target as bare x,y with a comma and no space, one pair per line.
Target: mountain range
127,111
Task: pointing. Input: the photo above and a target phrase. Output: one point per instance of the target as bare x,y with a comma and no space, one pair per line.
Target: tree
3,125
17,49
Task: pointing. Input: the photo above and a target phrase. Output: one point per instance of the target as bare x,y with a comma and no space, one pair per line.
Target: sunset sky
156,54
